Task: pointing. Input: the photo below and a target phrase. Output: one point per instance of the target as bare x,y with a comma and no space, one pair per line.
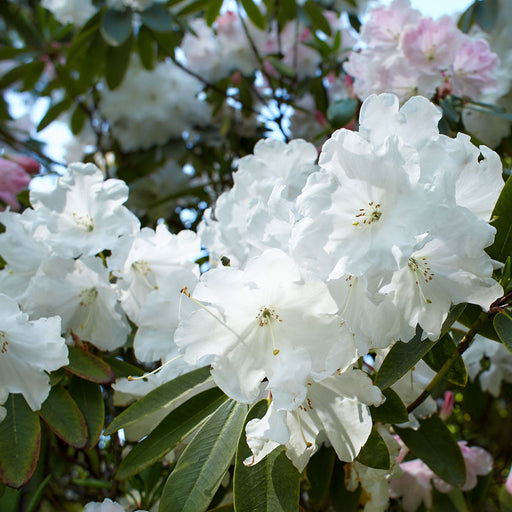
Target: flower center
368,215
422,272
265,316
4,341
86,222
88,296
142,267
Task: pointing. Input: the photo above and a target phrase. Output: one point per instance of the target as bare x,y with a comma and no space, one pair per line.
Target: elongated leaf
89,367
470,315
118,60
171,431
281,67
145,48
270,485
392,410
36,497
19,73
435,445
486,14
213,11
503,325
202,466
159,397
157,18
62,415
341,112
374,453
78,120
254,13
443,350
502,246
53,112
316,16
116,26
319,472
89,398
20,441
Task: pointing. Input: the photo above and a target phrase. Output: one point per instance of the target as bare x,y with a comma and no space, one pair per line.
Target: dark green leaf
89,31
212,12
391,411
20,441
470,315
374,453
160,397
503,325
53,112
78,119
20,72
36,497
32,75
145,48
340,498
272,484
118,60
89,398
194,6
319,472
201,468
486,14
116,26
9,52
505,499
315,14
171,431
63,416
435,445
341,112
502,246
157,18
467,19
443,350
355,22
89,367
122,368
254,13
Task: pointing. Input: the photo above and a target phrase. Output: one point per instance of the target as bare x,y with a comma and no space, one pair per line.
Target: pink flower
474,65
29,164
414,486
13,179
447,407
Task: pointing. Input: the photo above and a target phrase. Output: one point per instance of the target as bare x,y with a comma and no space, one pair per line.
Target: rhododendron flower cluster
405,53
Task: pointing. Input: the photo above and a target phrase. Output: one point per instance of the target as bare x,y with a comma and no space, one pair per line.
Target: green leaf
212,11
20,441
78,120
502,246
89,367
391,411
194,6
171,431
316,16
254,13
319,472
467,19
503,325
354,21
435,445
145,48
53,112
122,368
341,112
64,418
270,485
374,453
282,68
201,468
401,358
486,14
443,350
340,498
116,26
160,397
20,72
32,76
118,60
505,499
89,398
470,315
36,497
157,18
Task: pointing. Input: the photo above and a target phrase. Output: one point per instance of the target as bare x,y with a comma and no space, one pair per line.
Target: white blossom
70,11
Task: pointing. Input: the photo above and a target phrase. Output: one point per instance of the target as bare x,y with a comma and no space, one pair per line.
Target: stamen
368,215
143,269
265,317
422,272
156,370
4,341
308,444
86,222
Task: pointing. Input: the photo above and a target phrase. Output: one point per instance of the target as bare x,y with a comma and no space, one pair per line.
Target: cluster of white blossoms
403,52
151,107
57,270
384,234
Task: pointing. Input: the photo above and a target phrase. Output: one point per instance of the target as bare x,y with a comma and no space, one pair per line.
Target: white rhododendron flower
80,292
28,350
147,260
70,11
259,211
83,214
106,505
335,410
265,322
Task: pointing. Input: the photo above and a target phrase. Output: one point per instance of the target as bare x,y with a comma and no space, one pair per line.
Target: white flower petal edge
335,409
28,349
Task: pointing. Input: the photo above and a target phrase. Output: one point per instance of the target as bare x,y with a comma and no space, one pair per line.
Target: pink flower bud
13,179
447,407
29,164
508,483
